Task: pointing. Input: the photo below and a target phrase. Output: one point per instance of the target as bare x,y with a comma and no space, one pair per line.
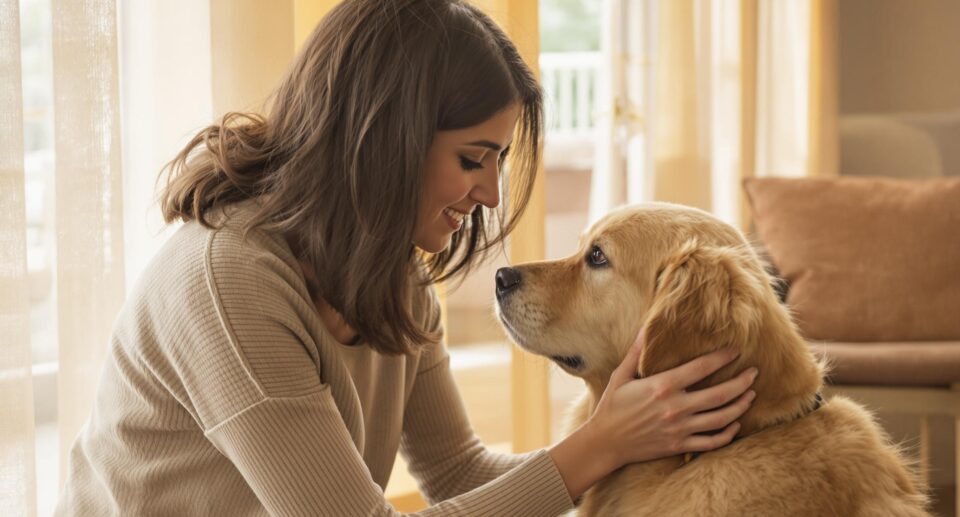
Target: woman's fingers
701,443
716,396
627,371
719,418
694,371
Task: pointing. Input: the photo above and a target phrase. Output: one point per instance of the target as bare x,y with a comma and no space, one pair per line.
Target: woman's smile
454,218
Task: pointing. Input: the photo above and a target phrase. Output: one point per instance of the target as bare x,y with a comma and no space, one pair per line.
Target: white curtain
783,88
626,97
17,475
89,206
166,87
178,64
701,93
85,217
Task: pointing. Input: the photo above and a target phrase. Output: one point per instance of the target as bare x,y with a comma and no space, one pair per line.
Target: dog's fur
692,284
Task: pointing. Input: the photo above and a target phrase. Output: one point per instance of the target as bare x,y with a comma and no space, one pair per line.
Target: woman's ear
706,298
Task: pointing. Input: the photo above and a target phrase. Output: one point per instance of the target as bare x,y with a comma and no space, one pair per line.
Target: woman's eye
503,157
596,258
470,165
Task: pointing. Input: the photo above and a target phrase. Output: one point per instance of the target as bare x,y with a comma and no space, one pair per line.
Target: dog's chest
758,476
616,495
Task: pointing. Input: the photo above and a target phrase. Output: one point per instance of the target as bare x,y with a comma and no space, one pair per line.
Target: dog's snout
508,280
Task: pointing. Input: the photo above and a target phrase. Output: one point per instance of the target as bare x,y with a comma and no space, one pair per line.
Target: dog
692,284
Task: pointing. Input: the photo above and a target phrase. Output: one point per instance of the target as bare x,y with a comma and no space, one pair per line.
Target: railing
569,82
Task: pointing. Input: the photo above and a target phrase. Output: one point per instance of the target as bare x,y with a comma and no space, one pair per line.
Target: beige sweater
224,394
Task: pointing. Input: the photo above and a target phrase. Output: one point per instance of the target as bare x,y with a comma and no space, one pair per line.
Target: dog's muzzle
573,362
508,280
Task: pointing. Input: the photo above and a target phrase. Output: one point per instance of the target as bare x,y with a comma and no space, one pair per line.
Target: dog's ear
706,298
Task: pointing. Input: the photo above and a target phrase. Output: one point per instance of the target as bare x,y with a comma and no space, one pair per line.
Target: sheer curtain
103,221
88,222
17,474
703,93
626,94
89,201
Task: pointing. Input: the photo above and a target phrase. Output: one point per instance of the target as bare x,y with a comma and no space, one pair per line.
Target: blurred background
646,100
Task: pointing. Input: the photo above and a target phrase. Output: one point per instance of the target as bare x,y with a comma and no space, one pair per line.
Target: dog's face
644,267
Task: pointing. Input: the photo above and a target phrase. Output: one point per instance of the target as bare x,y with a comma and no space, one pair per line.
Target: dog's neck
786,387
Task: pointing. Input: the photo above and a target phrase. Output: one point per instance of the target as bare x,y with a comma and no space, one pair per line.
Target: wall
897,55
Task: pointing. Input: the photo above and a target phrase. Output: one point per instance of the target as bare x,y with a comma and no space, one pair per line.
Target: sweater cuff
555,490
533,488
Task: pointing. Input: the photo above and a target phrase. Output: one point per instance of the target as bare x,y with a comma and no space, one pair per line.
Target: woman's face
462,171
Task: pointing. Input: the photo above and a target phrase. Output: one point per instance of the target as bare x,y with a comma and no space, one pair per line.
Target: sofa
870,266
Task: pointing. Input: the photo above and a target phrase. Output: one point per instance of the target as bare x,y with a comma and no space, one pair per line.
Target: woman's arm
297,456
441,448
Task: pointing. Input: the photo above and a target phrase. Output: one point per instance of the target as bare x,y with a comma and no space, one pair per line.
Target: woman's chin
434,244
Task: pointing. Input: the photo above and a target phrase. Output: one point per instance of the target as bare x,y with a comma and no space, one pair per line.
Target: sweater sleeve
441,448
298,458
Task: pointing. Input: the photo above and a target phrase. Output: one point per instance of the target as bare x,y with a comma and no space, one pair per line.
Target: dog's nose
508,279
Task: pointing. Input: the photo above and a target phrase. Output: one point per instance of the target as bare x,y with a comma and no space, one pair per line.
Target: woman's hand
654,417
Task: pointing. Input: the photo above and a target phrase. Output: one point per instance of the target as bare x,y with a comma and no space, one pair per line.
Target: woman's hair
338,162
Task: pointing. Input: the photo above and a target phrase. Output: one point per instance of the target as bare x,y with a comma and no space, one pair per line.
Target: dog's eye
596,258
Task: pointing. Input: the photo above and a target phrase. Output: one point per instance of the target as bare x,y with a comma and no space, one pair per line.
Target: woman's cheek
456,189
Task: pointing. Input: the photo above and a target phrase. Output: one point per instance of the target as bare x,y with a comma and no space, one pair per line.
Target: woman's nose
487,189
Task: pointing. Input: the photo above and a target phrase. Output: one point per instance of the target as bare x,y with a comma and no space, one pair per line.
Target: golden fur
693,284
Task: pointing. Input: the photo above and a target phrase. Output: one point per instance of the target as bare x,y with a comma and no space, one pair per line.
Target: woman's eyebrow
485,143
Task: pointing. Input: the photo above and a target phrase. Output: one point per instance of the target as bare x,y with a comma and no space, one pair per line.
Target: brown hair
338,161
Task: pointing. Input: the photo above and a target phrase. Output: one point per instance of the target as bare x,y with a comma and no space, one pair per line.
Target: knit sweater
223,393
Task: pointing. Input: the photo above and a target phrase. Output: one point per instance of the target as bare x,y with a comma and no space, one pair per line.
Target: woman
285,343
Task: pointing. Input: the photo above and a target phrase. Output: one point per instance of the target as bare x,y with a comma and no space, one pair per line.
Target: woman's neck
331,319
335,323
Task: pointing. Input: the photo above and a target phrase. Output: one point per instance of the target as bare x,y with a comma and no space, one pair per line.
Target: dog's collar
817,403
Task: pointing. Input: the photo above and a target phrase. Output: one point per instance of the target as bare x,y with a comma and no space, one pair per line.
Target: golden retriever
692,284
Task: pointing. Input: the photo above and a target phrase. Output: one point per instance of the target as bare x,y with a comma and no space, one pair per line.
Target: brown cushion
923,363
866,259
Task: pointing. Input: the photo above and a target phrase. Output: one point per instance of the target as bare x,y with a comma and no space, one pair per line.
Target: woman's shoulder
218,274
232,249
229,311
224,253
